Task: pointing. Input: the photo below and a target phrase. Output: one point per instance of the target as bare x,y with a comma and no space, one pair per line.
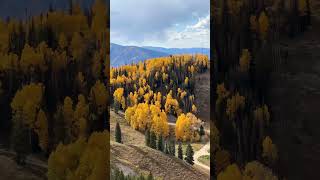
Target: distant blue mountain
172,51
121,55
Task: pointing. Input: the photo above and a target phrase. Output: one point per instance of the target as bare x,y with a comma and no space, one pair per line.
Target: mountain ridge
122,55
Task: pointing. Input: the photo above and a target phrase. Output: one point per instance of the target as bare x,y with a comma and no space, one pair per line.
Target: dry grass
205,159
129,135
133,157
144,160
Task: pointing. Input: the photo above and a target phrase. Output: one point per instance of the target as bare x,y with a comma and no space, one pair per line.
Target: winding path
203,151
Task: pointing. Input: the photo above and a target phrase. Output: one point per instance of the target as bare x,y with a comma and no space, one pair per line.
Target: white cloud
196,35
164,23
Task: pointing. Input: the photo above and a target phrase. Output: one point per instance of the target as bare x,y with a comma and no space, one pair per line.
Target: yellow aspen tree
186,126
235,103
254,23
99,96
77,46
231,172
67,110
263,25
129,114
270,152
65,157
159,123
30,60
27,101
118,97
245,60
63,41
81,159
82,108
42,130
255,170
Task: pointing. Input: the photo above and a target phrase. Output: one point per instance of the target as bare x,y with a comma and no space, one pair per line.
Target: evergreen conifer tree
147,137
201,131
153,140
180,153
118,133
189,154
160,143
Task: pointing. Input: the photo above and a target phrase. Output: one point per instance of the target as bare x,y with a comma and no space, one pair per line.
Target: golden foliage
270,151
81,159
32,60
77,46
254,26
187,126
255,170
263,25
41,128
27,101
234,103
118,96
245,60
99,96
231,172
262,115
143,116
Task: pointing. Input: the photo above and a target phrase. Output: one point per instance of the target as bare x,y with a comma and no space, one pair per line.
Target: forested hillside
53,77
248,52
157,100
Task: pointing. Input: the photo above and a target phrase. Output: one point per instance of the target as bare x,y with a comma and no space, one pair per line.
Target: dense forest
54,79
246,51
150,91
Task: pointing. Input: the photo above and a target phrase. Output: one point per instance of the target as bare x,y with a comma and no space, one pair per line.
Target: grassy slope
134,157
205,159
144,160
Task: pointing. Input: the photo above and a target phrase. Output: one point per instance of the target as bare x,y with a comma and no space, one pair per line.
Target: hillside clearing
142,159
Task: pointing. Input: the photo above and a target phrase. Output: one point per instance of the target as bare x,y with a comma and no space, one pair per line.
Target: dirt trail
295,101
203,151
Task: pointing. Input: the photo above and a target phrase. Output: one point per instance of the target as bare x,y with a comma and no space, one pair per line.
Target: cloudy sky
165,23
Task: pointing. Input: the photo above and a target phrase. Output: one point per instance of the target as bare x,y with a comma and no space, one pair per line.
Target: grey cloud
143,20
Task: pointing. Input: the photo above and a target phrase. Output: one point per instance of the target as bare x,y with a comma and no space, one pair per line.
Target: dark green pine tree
153,140
160,143
172,147
189,154
166,148
201,131
118,133
147,137
180,153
